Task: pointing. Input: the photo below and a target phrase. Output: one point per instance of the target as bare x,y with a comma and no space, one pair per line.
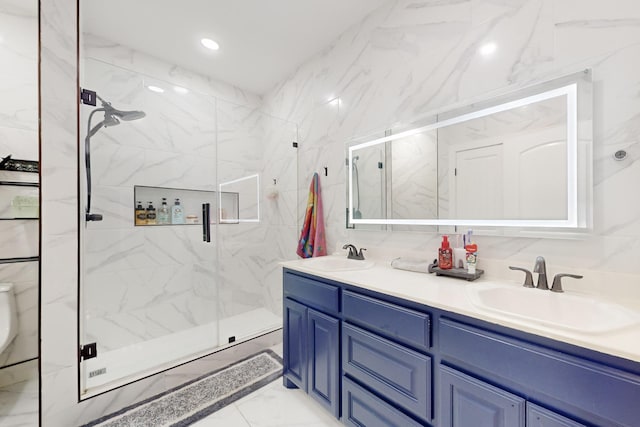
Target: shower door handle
206,222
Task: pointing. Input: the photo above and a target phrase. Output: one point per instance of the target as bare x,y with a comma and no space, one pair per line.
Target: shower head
114,115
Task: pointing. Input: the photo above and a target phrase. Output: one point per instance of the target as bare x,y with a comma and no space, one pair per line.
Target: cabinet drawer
599,393
401,375
362,409
312,293
391,320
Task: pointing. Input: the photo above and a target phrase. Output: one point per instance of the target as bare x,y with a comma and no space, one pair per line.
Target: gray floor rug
191,402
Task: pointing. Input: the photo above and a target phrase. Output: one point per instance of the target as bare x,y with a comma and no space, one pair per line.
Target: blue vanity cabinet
311,339
377,360
467,402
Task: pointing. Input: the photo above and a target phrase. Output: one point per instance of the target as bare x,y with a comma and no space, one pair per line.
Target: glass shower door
257,164
148,290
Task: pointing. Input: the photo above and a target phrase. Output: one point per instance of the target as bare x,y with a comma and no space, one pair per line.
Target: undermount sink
556,310
334,263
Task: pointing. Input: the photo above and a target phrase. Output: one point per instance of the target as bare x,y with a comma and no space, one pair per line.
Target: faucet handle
360,255
557,283
528,278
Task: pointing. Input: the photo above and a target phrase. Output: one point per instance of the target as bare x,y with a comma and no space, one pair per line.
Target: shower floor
137,361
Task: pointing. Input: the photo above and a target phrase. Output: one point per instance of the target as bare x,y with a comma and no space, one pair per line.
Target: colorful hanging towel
312,241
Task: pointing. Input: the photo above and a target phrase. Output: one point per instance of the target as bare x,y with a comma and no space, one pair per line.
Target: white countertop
451,295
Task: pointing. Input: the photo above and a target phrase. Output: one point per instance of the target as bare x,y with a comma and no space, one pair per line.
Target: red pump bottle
445,255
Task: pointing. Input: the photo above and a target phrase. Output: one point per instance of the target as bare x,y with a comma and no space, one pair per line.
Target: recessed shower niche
179,206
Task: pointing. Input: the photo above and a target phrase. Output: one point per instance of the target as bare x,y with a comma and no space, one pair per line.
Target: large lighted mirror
517,160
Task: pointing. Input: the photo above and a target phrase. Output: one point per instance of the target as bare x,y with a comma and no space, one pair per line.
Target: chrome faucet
354,253
540,267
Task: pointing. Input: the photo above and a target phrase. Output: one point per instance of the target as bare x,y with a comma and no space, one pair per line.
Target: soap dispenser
163,213
177,214
151,214
141,215
445,254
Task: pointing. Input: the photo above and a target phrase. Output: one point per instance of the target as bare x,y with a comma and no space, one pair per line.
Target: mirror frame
578,192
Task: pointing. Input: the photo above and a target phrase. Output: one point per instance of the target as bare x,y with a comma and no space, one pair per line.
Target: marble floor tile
277,406
19,404
228,416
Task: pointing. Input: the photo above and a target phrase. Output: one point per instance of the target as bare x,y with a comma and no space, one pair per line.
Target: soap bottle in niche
164,214
445,255
177,214
141,215
151,214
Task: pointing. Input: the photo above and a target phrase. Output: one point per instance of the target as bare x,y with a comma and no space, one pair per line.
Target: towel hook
326,171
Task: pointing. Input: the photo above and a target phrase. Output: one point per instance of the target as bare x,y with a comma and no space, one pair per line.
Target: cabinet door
468,402
324,360
541,417
295,343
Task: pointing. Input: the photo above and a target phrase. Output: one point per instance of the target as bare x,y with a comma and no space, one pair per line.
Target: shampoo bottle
151,214
445,255
163,213
177,214
141,215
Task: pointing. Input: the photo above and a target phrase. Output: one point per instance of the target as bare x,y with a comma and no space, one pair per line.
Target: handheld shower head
112,117
116,114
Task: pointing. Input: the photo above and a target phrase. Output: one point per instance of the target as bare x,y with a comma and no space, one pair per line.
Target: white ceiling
262,42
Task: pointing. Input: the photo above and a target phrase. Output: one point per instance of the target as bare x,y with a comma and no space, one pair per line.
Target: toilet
8,316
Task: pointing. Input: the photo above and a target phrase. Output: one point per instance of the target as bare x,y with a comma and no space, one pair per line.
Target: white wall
410,58
19,137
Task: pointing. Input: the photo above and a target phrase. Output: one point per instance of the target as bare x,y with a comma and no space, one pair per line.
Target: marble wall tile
19,138
410,58
21,372
20,143
121,56
19,81
19,238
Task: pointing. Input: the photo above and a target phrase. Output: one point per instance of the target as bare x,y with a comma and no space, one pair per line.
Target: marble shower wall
19,137
413,57
145,282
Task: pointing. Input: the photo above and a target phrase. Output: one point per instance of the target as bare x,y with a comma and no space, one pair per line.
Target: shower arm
87,163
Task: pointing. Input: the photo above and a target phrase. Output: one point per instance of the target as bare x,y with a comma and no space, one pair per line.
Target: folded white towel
411,264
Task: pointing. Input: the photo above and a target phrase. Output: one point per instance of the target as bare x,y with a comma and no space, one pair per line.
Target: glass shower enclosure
161,287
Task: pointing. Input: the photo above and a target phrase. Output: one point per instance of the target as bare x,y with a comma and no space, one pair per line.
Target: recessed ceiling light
210,44
155,89
488,48
180,89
